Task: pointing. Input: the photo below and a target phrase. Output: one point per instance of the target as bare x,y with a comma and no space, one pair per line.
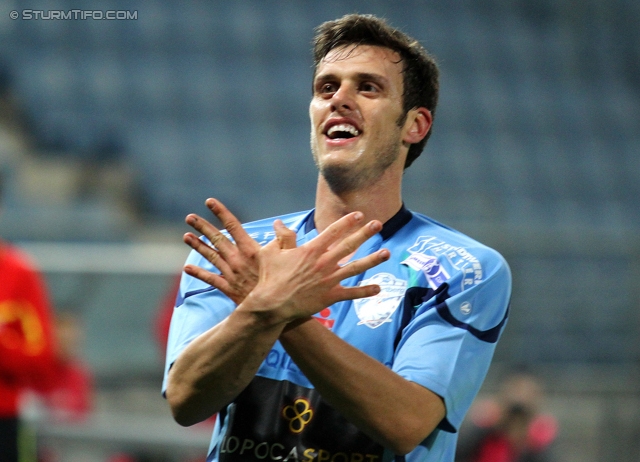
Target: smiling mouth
342,131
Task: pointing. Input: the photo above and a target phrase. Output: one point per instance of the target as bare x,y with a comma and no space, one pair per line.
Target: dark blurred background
111,131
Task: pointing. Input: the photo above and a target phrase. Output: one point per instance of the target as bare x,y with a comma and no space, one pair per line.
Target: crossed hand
290,282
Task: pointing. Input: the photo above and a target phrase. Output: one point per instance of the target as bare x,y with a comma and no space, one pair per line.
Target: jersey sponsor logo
429,265
377,310
298,414
457,258
262,238
323,318
246,449
234,448
279,359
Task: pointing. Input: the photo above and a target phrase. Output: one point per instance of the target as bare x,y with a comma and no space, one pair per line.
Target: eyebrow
360,76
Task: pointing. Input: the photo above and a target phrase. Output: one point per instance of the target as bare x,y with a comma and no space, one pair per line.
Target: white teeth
343,128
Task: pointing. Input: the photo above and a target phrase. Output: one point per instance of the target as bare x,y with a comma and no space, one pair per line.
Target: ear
418,124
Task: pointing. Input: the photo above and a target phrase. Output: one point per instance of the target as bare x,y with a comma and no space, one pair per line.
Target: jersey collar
391,226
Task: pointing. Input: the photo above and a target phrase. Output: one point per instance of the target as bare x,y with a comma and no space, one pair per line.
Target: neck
378,201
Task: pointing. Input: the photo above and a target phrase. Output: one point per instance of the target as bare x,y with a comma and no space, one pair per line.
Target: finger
336,230
231,224
352,242
362,264
213,279
286,236
354,293
207,252
215,236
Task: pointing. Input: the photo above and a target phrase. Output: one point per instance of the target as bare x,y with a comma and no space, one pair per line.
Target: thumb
284,235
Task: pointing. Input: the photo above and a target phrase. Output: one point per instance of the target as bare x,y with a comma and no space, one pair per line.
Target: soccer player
358,331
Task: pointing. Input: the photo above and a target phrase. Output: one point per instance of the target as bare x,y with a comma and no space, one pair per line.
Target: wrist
261,313
296,323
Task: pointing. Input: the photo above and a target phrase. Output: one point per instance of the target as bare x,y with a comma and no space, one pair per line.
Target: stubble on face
349,177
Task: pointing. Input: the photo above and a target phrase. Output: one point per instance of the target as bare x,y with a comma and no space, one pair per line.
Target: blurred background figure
15,133
511,426
27,343
69,399
70,396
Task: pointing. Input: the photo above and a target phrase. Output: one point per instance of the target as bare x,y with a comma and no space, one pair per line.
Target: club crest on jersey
377,310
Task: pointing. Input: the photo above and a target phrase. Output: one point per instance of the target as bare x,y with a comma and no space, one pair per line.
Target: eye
369,87
327,87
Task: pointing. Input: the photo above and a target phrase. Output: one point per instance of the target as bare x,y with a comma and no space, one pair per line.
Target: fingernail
358,216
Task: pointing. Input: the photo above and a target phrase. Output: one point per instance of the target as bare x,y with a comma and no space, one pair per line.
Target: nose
343,99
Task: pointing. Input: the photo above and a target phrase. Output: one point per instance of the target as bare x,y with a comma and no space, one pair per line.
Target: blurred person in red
27,343
510,427
69,399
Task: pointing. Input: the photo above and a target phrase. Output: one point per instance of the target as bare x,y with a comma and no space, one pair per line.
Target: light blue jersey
442,307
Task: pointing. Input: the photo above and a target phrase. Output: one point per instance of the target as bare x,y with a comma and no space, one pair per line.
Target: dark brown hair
420,72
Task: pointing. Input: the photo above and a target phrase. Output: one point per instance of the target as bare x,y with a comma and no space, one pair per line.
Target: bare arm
393,411
218,365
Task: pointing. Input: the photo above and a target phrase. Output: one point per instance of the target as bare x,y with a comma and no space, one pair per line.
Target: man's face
356,105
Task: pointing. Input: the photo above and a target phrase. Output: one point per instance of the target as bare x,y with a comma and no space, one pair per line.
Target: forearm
218,365
393,411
